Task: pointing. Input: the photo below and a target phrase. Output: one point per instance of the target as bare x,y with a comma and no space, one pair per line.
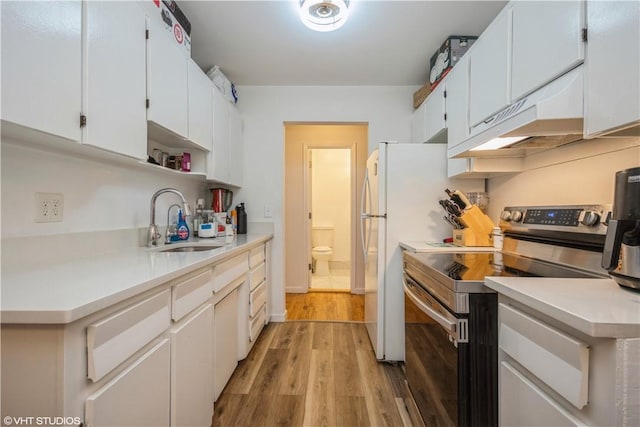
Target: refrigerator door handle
365,186
362,240
364,216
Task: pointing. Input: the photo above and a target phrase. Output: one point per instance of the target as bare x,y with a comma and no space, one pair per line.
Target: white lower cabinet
540,409
160,358
225,327
191,393
148,380
553,375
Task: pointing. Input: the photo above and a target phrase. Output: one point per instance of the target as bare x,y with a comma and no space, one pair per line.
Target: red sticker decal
177,32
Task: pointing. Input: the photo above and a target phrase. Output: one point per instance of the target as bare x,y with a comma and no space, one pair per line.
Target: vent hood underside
547,118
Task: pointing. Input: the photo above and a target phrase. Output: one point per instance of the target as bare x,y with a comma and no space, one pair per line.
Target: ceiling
383,43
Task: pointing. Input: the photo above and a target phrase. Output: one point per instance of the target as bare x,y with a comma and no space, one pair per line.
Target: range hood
547,118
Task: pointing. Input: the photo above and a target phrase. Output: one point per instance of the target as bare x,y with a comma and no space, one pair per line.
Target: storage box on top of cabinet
445,58
174,21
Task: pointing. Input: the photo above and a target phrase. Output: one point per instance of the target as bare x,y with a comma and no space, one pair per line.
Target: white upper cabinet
429,123
490,70
547,42
225,159
236,147
166,81
458,102
612,67
115,78
41,66
200,107
218,165
419,123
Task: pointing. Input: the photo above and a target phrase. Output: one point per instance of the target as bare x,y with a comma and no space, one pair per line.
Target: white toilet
322,251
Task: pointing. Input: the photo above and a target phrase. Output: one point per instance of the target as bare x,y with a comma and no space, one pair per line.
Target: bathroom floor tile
338,279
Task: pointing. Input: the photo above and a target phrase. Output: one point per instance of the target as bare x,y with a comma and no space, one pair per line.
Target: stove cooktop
474,266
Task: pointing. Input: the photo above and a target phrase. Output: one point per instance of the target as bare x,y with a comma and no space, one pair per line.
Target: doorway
305,142
329,186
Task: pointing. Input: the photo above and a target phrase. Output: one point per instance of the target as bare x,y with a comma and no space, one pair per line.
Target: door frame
354,214
296,241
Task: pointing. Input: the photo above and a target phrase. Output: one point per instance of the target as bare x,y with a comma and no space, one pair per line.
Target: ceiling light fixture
324,15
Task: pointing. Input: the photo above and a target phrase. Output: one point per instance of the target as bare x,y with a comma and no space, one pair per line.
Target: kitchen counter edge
583,304
17,310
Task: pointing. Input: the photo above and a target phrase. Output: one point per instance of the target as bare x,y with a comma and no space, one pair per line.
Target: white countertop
596,307
68,291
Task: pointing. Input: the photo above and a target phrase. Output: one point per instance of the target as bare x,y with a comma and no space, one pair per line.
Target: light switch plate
49,207
267,211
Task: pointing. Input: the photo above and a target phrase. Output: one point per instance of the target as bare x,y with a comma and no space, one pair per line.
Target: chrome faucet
153,235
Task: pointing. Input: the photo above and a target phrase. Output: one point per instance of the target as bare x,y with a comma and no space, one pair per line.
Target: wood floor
334,306
313,374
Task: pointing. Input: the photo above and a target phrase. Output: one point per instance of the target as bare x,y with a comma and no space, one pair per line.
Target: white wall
264,110
581,173
331,197
97,195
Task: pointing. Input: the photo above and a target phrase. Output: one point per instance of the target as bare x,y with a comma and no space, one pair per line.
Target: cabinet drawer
256,256
257,276
225,272
522,403
559,360
257,299
113,340
257,323
148,379
189,294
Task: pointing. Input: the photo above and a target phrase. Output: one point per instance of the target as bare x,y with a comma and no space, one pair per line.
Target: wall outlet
49,207
267,211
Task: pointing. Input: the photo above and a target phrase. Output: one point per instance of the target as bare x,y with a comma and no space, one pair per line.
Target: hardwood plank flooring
331,306
305,373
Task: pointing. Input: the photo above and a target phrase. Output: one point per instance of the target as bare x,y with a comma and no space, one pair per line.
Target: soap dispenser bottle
183,229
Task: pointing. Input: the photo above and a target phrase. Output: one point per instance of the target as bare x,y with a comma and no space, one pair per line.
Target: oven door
436,358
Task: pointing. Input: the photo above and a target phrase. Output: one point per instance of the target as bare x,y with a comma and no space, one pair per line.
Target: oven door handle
448,325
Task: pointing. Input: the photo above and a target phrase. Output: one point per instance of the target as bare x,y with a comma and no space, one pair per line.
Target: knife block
477,231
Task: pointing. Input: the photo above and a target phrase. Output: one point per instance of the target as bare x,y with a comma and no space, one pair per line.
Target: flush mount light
324,15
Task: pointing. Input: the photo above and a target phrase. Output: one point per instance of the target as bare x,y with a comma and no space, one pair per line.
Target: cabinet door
191,393
41,66
200,107
236,150
490,69
115,78
225,341
436,124
457,103
522,403
612,73
218,166
139,396
547,42
419,123
166,81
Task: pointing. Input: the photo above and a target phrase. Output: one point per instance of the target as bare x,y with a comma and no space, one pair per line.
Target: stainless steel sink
193,248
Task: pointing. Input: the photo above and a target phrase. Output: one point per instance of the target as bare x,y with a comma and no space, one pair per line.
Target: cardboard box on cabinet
421,94
445,58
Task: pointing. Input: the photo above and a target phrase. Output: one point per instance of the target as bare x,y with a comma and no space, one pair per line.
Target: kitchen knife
456,198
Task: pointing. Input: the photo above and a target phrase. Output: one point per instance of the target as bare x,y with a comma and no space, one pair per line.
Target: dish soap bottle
183,229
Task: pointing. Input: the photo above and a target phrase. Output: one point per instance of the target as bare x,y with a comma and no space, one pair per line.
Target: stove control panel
574,218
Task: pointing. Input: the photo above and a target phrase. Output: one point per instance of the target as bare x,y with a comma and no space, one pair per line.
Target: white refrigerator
400,194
